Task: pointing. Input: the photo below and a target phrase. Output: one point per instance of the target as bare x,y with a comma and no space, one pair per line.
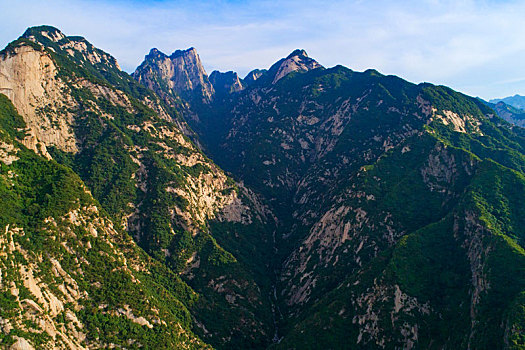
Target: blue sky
476,47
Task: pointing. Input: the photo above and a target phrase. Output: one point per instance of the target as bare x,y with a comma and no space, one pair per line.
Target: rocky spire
226,83
181,72
298,60
254,75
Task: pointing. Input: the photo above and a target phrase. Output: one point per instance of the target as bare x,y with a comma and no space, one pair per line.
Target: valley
300,207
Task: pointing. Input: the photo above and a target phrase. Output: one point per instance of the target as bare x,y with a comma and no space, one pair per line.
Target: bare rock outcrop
29,78
297,61
182,72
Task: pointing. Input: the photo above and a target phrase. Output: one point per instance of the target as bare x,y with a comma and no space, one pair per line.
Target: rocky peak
48,32
75,46
190,53
298,53
254,75
155,53
297,61
182,71
226,83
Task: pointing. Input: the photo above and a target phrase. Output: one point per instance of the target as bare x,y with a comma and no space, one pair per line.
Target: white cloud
473,46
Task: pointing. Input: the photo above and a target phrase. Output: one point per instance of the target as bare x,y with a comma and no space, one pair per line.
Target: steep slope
226,83
180,74
70,279
398,206
445,274
130,150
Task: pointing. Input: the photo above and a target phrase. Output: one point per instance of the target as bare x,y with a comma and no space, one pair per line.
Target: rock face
21,344
182,73
28,77
370,176
297,61
226,83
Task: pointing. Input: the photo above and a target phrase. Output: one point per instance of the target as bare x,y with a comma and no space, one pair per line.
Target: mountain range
299,207
516,101
508,111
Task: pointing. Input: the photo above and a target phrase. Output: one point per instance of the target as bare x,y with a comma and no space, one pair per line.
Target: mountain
511,114
356,210
297,61
226,83
129,151
516,101
71,278
180,74
399,206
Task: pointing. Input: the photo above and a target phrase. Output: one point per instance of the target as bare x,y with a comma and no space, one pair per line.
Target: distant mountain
516,101
226,83
511,114
180,74
399,206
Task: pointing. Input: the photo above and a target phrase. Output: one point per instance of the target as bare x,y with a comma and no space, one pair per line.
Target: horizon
470,46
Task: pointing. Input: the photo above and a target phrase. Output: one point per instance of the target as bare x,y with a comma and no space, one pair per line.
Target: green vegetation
392,227
12,125
38,196
128,160
327,139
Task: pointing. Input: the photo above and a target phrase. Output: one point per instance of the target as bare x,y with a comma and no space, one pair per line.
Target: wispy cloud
472,46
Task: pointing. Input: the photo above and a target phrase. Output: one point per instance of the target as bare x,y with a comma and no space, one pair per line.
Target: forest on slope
358,210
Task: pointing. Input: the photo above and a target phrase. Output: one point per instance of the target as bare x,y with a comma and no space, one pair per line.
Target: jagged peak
184,74
47,31
297,61
184,53
154,52
298,53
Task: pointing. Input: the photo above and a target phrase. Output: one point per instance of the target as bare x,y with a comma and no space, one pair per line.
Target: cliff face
181,72
70,278
28,78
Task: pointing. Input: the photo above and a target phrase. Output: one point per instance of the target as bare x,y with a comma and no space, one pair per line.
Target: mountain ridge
516,101
344,182
132,154
323,147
